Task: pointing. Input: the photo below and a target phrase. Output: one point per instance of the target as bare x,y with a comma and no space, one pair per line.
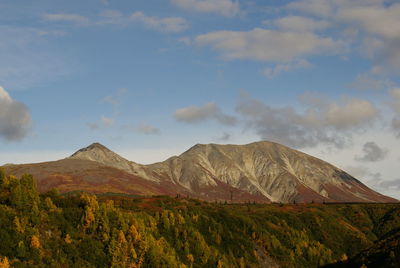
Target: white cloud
4,96
376,22
314,7
209,111
395,99
395,105
148,129
395,125
169,24
15,119
107,121
376,19
74,18
268,45
223,7
329,8
352,113
112,17
301,24
286,67
368,82
111,100
322,122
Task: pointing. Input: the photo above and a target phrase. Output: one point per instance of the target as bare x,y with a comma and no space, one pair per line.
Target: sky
151,78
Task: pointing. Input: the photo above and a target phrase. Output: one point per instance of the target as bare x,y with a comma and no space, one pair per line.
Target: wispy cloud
142,128
67,17
299,24
148,129
22,50
108,121
269,45
223,7
168,24
286,67
377,24
367,81
165,24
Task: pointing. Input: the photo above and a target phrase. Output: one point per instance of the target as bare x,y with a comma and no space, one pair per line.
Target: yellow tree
68,239
119,249
3,178
35,242
91,205
4,263
190,259
50,205
134,234
18,225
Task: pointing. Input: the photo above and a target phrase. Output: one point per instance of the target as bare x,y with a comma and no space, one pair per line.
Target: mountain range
257,172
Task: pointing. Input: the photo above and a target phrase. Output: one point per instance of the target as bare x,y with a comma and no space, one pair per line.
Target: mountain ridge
260,171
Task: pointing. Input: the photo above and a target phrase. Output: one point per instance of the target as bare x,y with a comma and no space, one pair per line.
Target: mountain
99,153
267,169
260,171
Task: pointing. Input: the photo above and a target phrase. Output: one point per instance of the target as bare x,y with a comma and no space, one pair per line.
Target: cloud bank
15,119
322,122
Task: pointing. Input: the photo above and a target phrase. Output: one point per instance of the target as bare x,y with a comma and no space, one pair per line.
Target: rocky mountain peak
99,153
92,147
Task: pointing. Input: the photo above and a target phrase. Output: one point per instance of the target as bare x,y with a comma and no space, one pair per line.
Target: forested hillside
83,230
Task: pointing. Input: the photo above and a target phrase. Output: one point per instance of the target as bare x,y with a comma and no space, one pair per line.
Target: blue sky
149,79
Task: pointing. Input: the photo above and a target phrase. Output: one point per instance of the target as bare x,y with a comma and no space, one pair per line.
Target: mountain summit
99,153
260,171
93,147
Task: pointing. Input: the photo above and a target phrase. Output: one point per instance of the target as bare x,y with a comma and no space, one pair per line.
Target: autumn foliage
85,230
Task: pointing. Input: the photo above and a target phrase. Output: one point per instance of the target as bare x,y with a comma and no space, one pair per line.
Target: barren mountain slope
277,172
101,154
260,171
